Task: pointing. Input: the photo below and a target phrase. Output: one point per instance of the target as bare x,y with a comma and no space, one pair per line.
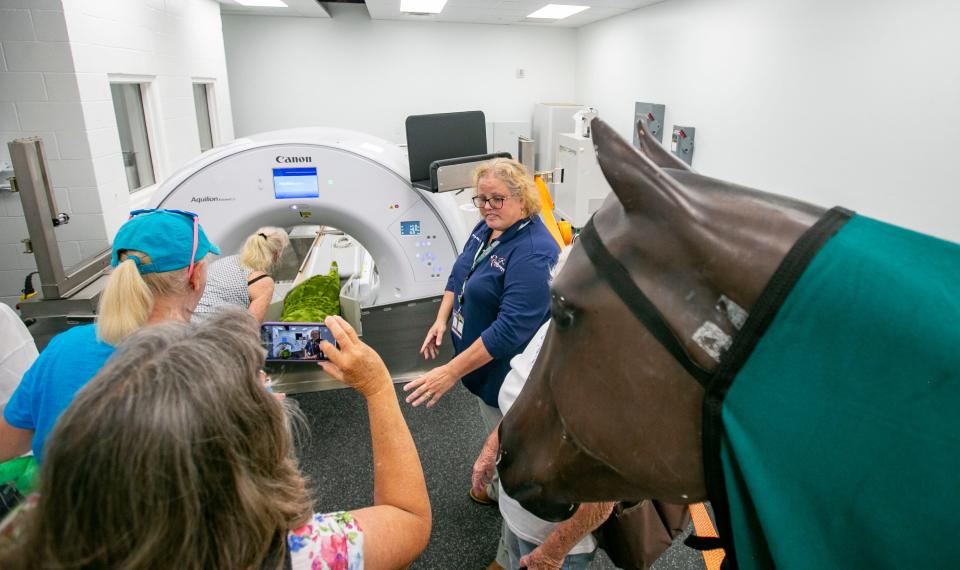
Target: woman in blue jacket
497,295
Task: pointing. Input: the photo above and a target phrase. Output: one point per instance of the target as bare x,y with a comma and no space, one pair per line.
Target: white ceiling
464,11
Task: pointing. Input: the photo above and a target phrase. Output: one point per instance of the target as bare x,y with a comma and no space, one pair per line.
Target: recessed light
422,6
557,11
263,3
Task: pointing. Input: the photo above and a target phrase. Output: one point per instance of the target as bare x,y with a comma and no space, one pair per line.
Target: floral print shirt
332,541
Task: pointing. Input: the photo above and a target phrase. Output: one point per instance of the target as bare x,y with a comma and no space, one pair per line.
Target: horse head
612,409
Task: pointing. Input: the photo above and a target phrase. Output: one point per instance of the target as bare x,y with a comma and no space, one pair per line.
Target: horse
794,365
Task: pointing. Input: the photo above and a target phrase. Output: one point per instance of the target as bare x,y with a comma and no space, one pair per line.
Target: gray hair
173,452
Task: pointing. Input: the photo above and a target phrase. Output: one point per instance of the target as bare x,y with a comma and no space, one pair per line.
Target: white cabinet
549,120
583,188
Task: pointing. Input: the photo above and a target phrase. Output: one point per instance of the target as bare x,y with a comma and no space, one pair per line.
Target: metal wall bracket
7,179
526,153
457,173
41,215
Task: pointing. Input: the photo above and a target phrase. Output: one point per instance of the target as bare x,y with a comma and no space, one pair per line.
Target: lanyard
477,258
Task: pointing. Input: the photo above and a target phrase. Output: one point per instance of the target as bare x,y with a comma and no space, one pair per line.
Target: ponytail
128,297
262,250
125,303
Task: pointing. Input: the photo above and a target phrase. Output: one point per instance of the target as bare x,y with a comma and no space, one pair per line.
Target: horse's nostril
564,320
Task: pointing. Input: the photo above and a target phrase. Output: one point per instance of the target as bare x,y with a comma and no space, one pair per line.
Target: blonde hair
128,297
172,455
261,251
515,177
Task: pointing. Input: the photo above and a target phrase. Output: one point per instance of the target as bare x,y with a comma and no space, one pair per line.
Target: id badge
457,327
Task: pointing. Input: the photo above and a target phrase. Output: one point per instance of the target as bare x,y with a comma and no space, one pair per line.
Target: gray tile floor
337,456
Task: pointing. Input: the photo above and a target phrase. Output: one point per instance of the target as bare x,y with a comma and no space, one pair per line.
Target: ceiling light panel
263,3
422,6
557,11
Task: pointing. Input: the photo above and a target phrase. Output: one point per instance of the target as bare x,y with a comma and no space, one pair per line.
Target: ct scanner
308,178
329,177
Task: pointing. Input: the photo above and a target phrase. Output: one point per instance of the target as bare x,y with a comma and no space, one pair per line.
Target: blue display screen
295,183
410,228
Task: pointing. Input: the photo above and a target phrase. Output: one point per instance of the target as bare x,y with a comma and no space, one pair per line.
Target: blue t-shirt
70,360
506,299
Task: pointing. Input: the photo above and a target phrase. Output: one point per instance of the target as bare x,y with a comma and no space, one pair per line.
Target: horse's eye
563,314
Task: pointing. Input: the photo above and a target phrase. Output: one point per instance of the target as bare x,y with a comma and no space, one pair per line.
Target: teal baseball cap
172,238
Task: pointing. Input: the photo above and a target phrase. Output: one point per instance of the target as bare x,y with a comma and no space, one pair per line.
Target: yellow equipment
561,231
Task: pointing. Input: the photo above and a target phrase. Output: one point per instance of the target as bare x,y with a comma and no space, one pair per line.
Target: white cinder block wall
38,97
58,59
855,103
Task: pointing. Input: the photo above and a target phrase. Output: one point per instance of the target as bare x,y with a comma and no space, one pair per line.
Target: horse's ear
638,182
652,149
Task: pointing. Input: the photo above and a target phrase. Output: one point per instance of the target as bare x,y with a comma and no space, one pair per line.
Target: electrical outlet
681,143
652,114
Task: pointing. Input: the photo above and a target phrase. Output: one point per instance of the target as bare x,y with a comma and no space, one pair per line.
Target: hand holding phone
295,342
354,363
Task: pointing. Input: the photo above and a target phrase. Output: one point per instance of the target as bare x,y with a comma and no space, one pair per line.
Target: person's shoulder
12,330
83,334
539,241
260,281
542,233
478,230
8,312
75,344
81,341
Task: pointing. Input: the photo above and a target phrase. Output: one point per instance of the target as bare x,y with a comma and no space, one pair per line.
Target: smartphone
294,342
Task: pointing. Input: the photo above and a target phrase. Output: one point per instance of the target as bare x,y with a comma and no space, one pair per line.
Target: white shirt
17,351
523,523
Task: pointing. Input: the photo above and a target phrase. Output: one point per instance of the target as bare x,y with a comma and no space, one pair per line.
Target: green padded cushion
314,299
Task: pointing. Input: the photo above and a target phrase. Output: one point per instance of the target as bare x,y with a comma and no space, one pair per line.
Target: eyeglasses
496,202
196,229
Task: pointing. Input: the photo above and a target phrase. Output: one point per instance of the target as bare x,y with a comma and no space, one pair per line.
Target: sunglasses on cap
196,228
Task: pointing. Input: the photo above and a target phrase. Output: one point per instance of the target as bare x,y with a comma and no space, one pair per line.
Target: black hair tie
263,235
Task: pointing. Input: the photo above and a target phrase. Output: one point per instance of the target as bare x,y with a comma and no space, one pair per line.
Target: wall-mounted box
681,143
652,114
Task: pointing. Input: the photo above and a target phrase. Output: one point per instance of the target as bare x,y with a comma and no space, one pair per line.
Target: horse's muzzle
531,495
531,498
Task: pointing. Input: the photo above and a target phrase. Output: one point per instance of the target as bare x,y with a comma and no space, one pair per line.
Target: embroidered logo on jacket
499,262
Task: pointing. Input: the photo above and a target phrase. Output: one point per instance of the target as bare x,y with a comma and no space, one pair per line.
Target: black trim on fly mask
791,268
617,276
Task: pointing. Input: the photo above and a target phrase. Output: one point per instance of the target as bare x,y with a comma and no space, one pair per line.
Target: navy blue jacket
506,299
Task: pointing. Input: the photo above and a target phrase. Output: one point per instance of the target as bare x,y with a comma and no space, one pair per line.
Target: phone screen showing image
286,342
